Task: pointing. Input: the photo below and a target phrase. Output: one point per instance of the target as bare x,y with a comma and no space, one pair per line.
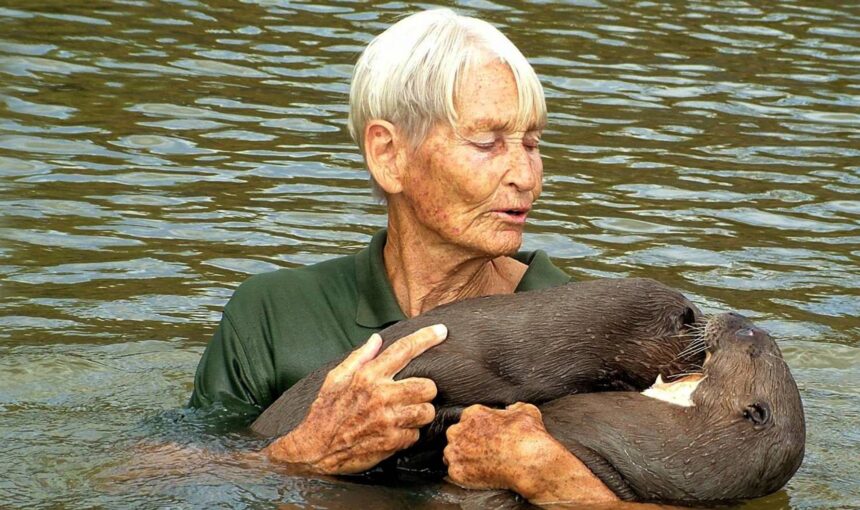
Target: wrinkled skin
484,429
458,189
485,437
333,439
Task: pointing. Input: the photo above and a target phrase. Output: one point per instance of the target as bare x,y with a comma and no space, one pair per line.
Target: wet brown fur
611,334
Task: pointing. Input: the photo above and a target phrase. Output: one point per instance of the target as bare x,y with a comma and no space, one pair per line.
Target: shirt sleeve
224,377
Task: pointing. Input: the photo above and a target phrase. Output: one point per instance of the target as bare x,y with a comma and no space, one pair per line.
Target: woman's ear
381,147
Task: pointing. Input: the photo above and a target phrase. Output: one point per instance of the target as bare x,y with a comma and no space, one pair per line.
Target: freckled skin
485,437
336,439
452,186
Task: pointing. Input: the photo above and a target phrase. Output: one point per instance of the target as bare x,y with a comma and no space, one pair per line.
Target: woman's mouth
516,215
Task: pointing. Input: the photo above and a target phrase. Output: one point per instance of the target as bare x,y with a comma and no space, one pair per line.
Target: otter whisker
682,374
688,352
691,352
690,355
696,342
695,348
782,362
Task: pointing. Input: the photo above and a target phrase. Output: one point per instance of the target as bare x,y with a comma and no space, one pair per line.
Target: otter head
751,405
659,322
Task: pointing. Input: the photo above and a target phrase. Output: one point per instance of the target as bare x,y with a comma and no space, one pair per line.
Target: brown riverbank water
153,154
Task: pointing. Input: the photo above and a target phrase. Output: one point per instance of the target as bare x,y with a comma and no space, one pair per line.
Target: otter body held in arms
735,431
610,334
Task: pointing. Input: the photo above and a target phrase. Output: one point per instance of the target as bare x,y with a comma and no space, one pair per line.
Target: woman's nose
524,167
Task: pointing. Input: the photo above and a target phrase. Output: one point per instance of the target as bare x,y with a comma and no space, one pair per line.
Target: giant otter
534,347
740,434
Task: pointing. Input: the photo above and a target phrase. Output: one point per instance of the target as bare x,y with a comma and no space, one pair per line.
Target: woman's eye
485,145
531,144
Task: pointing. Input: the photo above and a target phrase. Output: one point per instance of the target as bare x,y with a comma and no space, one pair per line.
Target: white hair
409,74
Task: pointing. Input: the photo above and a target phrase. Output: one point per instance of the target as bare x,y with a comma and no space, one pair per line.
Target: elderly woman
448,114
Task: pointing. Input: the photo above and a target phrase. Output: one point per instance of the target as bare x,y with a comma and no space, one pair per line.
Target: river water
154,154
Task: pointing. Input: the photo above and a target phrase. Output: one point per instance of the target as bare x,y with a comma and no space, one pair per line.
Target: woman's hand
361,415
511,449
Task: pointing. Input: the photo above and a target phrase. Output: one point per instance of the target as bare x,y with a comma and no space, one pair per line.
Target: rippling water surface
153,154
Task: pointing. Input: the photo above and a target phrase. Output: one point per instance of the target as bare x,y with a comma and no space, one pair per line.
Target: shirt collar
378,307
541,274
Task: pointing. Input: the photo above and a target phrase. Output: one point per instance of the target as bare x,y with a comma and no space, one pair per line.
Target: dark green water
155,154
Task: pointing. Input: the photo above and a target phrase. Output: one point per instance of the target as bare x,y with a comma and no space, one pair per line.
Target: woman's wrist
282,450
544,460
557,476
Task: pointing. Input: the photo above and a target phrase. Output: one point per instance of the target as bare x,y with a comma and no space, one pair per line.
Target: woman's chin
501,243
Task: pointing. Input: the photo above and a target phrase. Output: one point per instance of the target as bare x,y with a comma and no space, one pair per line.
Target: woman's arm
511,449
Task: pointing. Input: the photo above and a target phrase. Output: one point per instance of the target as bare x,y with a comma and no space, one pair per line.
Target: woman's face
474,183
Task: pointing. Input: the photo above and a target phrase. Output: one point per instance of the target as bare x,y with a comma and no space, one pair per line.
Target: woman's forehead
499,122
489,97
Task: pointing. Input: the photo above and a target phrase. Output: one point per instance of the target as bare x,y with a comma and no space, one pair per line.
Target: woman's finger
359,357
395,358
416,415
415,390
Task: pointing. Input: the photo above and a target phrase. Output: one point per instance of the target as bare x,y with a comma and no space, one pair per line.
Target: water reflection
154,154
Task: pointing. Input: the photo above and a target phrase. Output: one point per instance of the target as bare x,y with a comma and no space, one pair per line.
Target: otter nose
751,333
744,329
736,321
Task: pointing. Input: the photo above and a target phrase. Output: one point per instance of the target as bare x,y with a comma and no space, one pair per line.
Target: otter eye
758,413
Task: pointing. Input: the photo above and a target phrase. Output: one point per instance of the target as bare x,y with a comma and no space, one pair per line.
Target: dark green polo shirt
280,326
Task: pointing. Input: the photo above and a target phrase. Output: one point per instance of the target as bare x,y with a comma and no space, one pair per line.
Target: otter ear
688,317
759,414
